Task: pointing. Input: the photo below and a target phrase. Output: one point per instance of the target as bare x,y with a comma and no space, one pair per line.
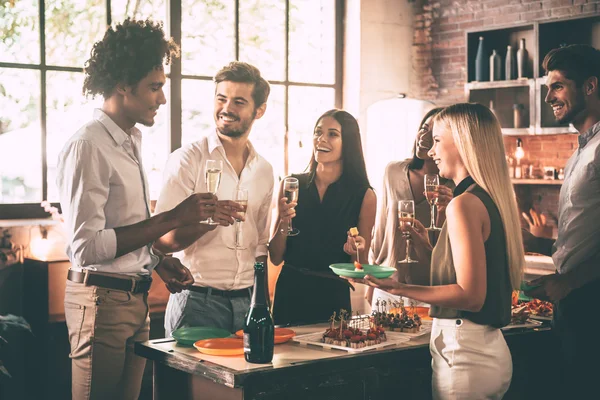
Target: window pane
72,27
268,132
138,9
19,31
207,36
306,105
20,137
156,145
312,41
197,105
262,36
67,110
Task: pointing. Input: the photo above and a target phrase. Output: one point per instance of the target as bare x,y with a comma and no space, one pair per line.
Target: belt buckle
133,285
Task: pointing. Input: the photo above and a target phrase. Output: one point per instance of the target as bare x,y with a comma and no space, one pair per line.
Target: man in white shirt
223,274
104,198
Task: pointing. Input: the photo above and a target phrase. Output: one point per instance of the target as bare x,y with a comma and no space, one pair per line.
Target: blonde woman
477,261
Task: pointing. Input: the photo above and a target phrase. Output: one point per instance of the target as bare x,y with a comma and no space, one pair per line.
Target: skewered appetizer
348,336
354,233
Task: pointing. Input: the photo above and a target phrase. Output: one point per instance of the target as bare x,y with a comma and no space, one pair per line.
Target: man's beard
577,106
236,133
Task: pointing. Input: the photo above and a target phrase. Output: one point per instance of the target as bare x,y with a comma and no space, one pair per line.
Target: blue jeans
205,309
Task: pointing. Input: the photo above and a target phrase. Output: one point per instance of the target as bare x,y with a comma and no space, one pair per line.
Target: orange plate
220,347
282,335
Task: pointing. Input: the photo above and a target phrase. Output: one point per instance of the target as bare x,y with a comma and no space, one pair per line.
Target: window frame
173,27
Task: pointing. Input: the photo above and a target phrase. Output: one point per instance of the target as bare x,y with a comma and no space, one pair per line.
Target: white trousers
469,361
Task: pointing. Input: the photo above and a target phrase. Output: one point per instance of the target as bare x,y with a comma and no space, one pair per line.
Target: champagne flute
213,172
432,181
406,219
240,196
290,191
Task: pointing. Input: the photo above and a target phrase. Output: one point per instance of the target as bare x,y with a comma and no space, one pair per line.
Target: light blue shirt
578,239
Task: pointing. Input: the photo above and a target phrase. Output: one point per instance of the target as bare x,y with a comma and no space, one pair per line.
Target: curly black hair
127,53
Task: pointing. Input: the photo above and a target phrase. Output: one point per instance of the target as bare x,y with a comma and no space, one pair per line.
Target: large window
43,45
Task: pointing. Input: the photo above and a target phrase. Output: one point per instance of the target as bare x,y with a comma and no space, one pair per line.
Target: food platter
348,270
315,339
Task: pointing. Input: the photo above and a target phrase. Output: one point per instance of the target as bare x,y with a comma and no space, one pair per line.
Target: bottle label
246,342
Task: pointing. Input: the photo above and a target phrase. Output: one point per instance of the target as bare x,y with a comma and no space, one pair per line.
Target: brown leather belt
132,284
225,293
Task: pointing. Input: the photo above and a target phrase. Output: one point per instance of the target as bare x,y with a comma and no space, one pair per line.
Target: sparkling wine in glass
290,191
406,219
432,182
240,196
212,176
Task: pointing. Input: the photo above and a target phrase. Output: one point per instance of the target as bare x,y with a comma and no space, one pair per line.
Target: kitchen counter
303,372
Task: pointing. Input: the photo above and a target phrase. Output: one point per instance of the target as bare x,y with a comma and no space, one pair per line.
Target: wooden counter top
290,357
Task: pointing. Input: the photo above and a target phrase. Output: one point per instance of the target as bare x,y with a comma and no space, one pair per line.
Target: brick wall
439,67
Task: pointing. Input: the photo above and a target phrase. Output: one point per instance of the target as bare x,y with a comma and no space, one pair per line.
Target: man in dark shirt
573,76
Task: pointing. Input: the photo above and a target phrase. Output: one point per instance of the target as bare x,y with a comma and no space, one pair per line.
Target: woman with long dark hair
334,195
404,180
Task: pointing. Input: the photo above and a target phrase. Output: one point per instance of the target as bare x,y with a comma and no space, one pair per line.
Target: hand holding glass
240,196
432,181
213,172
406,219
290,192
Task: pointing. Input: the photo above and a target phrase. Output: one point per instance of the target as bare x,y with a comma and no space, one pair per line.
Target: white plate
314,339
530,323
540,317
425,328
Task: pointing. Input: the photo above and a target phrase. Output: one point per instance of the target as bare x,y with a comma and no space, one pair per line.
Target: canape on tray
402,320
351,336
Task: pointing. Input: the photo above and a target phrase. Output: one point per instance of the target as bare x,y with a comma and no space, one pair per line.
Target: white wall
377,65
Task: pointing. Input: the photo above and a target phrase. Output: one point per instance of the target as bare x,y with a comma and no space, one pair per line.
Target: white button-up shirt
103,186
578,239
210,259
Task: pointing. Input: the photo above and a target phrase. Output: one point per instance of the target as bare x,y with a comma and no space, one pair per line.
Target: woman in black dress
334,196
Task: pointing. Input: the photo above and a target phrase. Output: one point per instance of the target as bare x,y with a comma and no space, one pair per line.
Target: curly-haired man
104,197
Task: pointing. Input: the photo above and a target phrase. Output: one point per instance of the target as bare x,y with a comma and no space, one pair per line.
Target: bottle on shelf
510,70
518,116
495,67
259,329
522,59
481,60
511,167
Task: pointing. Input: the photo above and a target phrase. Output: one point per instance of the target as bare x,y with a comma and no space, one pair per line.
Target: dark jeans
577,325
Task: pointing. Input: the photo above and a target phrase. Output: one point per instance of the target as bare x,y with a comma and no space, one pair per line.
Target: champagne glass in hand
432,181
213,172
240,196
406,219
290,192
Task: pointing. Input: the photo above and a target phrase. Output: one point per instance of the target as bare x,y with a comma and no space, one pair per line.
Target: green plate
347,270
189,336
526,287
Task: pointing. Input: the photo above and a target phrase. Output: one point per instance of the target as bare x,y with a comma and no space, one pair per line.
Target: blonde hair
478,138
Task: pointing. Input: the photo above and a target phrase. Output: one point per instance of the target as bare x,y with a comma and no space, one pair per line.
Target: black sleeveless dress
302,298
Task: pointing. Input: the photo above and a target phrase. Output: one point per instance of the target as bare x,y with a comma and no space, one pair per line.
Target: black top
303,298
497,306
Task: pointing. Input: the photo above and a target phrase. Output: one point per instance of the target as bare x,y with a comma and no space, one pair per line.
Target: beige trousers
103,326
469,361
